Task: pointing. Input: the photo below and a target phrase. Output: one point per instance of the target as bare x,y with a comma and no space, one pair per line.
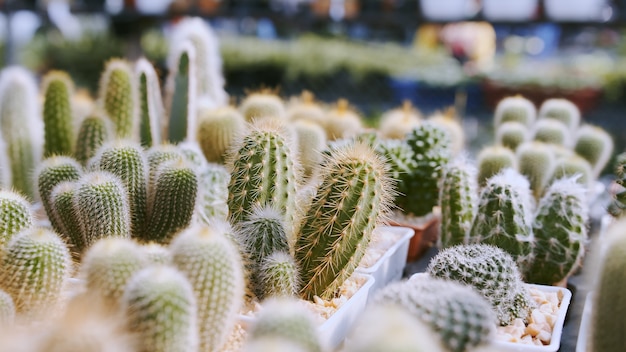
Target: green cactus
181,94
15,216
7,309
458,198
35,266
552,131
562,110
158,155
595,145
5,166
213,193
515,108
278,276
451,123
618,203
93,133
560,230
260,105
461,317
263,233
511,134
101,207
57,114
354,195
157,254
218,130
504,216
160,308
492,160
151,110
397,123
570,166
287,319
193,154
399,157
311,142
213,266
117,97
343,122
489,270
63,215
536,161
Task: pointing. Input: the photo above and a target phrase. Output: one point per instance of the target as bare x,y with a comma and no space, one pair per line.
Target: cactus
450,122
618,203
213,193
181,93
57,114
287,319
15,216
552,131
353,197
461,317
562,110
160,308
595,145
515,108
93,133
218,130
492,160
5,166
117,97
278,276
158,155
458,199
157,254
35,266
108,266
306,109
63,215
536,161
560,230
172,200
489,270
193,154
7,309
399,157
342,122
311,142
212,265
504,217
397,123
126,160
101,207
261,105
570,166
151,110
511,134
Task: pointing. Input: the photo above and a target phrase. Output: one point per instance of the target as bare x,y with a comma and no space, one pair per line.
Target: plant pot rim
405,234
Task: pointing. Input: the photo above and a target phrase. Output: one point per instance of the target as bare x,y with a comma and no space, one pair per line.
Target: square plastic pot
424,237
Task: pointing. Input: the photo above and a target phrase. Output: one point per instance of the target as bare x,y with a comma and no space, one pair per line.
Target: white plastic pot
448,10
574,10
510,10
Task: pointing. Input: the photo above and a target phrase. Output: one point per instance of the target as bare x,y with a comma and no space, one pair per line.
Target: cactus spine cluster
458,202
57,114
117,96
511,134
218,130
63,217
94,131
278,276
515,108
151,110
15,216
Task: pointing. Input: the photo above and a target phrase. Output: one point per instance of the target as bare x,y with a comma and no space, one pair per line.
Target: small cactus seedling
117,97
57,114
212,264
515,108
489,270
64,217
511,134
7,309
15,216
595,145
160,308
151,109
307,109
492,160
397,123
562,110
93,133
181,93
342,122
536,161
311,142
552,131
278,276
458,198
218,130
560,230
263,104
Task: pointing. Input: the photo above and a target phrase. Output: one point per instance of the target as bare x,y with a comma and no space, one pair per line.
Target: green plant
57,114
536,161
562,110
158,155
213,197
181,93
151,109
397,123
262,104
492,160
511,134
595,145
515,108
458,198
450,122
117,97
7,309
618,203
93,133
572,165
278,276
311,139
15,216
64,217
552,131
343,122
218,130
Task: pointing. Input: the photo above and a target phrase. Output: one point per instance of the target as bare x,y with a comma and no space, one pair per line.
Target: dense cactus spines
101,207
552,131
511,134
399,157
492,160
458,314
15,215
489,270
217,130
260,105
151,109
458,199
157,254
504,215
342,122
560,230
595,145
311,142
353,197
7,309
287,319
516,108
64,216
160,308
263,233
562,110
5,165
213,193
94,131
212,265
57,114
278,276
117,97
181,94
50,173
536,161
35,266
160,154
397,123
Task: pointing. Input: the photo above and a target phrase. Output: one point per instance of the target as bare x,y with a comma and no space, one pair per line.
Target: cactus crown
397,123
217,131
536,161
279,276
94,131
260,105
181,93
15,215
492,160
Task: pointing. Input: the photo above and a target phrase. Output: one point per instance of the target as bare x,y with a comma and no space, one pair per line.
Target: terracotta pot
426,236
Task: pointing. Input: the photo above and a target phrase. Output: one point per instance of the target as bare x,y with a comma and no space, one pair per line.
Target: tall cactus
117,97
15,216
458,198
511,134
181,94
57,114
595,145
93,133
536,161
151,109
562,110
515,108
353,197
63,215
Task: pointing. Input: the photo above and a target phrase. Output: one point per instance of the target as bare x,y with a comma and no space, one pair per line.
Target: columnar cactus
492,160
35,266
342,122
212,264
93,133
311,139
181,93
552,131
595,145
217,131
515,108
570,166
278,276
511,134
160,154
458,198
117,97
397,123
263,104
461,317
15,216
57,114
7,309
354,194
160,307
560,230
562,110
151,109
489,270
213,193
536,161
64,217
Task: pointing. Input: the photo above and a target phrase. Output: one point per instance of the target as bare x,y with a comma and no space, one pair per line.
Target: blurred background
375,53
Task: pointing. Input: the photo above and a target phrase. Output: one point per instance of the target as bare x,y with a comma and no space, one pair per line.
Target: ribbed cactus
213,192
57,114
212,265
489,270
595,145
217,131
278,276
573,165
536,161
172,200
35,266
160,307
15,216
399,157
560,230
65,218
7,309
353,196
157,254
397,123
504,216
618,203
515,108
126,160
492,160
458,198
108,265
93,133
160,154
101,207
287,319
461,317
117,97
511,134
305,108
552,131
261,105
311,139
343,122
151,110
181,93
562,110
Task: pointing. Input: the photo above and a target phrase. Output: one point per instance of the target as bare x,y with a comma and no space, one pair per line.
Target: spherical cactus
213,193
515,108
562,110
352,198
552,131
595,145
117,97
536,161
278,276
560,230
218,130
492,160
157,254
160,307
451,124
57,114
212,264
307,109
489,270
458,198
7,309
63,215
93,133
151,109
181,92
35,266
397,123
342,122
15,215
511,134
260,105
461,317
311,142
570,166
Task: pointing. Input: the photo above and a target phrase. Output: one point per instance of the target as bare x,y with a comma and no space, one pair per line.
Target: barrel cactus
262,104
536,161
492,160
218,130
397,123
595,145
343,122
